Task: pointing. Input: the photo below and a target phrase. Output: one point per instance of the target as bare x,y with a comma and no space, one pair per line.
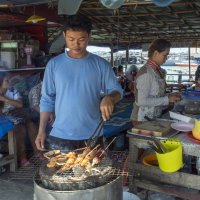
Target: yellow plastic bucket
171,161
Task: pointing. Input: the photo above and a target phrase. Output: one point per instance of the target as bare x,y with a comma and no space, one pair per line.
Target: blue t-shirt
74,88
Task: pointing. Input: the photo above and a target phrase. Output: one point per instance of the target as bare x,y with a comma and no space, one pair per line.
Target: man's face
76,42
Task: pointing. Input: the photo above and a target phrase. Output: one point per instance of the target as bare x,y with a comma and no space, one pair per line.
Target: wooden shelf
168,189
180,184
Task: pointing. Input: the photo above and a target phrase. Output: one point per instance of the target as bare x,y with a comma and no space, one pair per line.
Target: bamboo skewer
108,145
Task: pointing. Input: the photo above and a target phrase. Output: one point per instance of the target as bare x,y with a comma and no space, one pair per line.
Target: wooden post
12,150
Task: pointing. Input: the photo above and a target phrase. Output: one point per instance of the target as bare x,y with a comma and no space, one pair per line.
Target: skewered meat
96,160
86,151
79,158
52,162
64,168
71,161
52,153
71,154
61,161
85,160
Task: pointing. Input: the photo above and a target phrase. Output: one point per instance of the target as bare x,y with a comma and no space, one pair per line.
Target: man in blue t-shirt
81,87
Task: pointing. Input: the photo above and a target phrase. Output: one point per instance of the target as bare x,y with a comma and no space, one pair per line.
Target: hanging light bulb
34,18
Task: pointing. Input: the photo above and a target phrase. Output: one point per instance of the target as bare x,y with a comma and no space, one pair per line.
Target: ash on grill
73,171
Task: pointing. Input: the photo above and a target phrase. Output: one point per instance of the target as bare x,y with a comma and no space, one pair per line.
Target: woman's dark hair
197,73
120,68
159,45
78,23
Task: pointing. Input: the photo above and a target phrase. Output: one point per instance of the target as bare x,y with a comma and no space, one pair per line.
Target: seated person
120,76
34,102
11,105
130,74
115,70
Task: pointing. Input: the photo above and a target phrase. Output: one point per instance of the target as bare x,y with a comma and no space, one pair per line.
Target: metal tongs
157,146
94,137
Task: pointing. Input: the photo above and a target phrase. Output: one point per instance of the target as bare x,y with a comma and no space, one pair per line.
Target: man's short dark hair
78,23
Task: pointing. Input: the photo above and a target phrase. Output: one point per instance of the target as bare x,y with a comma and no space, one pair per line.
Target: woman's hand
174,97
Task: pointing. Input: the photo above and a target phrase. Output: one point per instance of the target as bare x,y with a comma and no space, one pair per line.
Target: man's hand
40,140
107,107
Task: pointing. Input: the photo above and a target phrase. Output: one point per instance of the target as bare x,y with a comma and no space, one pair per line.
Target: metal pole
189,62
111,52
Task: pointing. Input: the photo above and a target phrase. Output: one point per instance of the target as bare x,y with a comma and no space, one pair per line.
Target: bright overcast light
96,49
178,50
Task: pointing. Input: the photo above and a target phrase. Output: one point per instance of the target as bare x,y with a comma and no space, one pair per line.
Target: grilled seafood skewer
87,159
99,156
52,162
71,154
50,154
64,168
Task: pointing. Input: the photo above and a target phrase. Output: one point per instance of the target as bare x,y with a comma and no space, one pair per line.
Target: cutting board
156,128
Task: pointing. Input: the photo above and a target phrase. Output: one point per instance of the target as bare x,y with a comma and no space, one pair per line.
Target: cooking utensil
94,137
153,119
173,135
153,147
159,145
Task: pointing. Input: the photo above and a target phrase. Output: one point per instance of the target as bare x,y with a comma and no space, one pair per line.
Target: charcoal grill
112,190
77,178
70,185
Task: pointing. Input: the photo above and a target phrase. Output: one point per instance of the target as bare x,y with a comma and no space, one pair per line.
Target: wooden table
11,158
179,184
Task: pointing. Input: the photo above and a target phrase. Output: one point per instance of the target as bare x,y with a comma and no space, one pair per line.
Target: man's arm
40,140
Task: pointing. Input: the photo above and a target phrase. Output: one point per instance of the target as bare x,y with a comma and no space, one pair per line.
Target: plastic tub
171,161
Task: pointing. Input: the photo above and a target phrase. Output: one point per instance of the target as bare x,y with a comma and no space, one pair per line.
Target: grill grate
29,171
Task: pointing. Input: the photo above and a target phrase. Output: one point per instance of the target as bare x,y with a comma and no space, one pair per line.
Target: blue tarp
191,95
5,125
120,119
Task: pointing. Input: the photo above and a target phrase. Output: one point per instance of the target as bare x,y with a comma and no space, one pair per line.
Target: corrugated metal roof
135,22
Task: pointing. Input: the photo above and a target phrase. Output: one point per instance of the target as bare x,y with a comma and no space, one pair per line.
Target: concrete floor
20,185
15,189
